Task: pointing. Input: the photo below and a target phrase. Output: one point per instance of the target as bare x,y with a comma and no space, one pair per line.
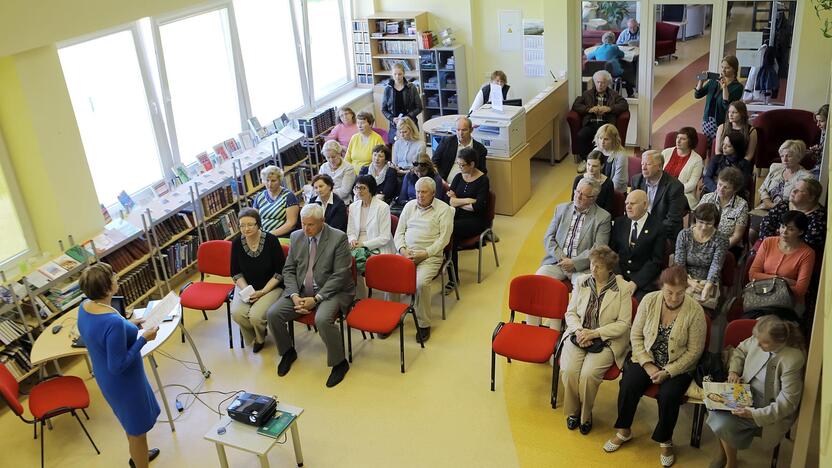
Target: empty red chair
388,273
666,39
738,331
213,258
778,125
478,241
51,397
618,201
394,223
541,296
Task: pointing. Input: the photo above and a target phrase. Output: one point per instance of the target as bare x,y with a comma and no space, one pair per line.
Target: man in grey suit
325,286
665,194
576,228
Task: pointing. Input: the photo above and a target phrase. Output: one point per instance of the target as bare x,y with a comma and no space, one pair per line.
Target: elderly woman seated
335,212
733,209
788,257
598,106
783,176
360,149
667,338
597,327
277,205
423,167
368,224
805,198
684,163
700,249
342,174
771,362
346,128
385,174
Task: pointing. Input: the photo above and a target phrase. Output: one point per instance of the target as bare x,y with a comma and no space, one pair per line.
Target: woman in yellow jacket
360,149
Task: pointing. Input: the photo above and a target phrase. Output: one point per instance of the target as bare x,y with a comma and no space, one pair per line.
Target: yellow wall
811,88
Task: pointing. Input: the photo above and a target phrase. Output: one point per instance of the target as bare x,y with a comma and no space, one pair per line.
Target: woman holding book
771,362
277,205
257,262
114,346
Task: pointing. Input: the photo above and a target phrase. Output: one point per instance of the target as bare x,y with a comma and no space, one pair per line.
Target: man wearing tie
318,277
665,194
638,238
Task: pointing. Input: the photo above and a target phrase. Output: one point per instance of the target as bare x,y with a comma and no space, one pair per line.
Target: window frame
32,248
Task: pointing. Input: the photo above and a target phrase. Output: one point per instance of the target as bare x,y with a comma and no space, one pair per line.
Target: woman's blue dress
115,351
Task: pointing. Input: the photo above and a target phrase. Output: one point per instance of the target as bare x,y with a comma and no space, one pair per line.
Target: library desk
51,346
244,437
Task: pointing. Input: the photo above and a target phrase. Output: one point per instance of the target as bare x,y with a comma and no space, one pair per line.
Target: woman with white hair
597,106
277,205
783,176
608,52
408,146
342,174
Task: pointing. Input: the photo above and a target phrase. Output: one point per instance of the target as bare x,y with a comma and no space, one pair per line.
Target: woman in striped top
277,205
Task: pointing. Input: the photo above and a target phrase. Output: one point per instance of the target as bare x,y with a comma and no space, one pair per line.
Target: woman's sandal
610,447
667,460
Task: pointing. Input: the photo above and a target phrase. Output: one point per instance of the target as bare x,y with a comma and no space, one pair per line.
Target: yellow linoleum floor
439,414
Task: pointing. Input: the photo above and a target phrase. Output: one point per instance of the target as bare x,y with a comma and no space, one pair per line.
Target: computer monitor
118,303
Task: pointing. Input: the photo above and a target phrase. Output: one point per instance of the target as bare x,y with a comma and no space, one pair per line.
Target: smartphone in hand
704,76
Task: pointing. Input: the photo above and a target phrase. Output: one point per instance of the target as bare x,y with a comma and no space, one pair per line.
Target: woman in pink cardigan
346,129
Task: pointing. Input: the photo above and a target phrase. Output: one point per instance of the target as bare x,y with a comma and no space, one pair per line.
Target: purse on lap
770,293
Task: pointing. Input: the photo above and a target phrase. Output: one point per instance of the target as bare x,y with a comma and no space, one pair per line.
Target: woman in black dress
469,195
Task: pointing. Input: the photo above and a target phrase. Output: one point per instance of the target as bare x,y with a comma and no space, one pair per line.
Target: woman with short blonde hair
277,205
608,141
408,146
783,176
342,174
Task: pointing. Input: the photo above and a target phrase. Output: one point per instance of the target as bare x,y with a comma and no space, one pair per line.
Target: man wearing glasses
445,155
577,227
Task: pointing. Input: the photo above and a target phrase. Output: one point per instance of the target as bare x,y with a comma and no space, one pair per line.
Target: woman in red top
684,163
788,257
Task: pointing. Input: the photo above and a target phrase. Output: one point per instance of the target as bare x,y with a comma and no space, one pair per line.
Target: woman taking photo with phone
114,345
720,92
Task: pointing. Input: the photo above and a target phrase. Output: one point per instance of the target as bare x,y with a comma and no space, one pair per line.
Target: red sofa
574,121
778,125
666,39
591,37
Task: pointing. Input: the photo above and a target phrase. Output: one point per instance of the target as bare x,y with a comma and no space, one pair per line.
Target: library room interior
340,233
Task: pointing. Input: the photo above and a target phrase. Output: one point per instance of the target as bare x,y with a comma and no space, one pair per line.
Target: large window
108,96
328,46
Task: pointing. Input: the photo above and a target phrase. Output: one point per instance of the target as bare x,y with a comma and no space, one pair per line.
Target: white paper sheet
160,310
496,97
246,293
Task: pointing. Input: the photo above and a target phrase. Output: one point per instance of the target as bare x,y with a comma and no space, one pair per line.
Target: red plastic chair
574,120
618,202
51,397
698,420
394,223
393,274
541,296
778,125
478,241
701,143
213,258
633,167
737,331
613,372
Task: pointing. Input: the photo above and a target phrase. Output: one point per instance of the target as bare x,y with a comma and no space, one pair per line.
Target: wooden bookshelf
143,297
361,54
444,81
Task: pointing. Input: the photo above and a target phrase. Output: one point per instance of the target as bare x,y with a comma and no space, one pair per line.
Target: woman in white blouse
368,224
343,175
682,162
408,146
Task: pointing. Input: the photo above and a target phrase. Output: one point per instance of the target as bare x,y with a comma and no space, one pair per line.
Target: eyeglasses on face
248,225
360,188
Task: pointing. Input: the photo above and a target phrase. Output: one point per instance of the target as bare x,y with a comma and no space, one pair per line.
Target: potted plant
613,12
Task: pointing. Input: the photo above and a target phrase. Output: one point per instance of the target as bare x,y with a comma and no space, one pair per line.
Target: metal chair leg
479,261
494,247
182,334
555,372
349,341
87,433
85,414
442,285
493,366
204,316
401,343
42,436
230,335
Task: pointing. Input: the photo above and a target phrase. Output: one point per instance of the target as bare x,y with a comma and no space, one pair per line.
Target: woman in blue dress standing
114,346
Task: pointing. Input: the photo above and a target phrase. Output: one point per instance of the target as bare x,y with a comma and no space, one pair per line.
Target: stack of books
10,331
314,125
16,358
122,258
65,296
292,155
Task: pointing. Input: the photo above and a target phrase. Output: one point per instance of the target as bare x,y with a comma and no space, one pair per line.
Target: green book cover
277,424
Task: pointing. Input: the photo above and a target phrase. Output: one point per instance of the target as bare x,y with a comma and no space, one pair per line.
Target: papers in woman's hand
246,293
159,311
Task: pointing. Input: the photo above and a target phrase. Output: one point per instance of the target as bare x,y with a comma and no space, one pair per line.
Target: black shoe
423,334
338,373
286,362
586,427
382,336
572,422
151,455
449,287
256,347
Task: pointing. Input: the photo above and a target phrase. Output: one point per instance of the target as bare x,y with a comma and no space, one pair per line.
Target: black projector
252,409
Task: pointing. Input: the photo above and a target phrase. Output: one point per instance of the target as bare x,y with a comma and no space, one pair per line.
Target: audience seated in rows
335,212
424,229
594,166
737,121
783,176
423,167
665,194
667,338
685,164
805,198
772,362
469,196
608,141
318,277
639,239
277,205
733,209
730,153
256,260
597,334
342,174
408,146
575,229
360,149
369,222
345,129
384,174
700,250
597,106
444,157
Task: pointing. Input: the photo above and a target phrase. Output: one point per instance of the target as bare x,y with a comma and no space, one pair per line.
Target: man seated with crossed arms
576,228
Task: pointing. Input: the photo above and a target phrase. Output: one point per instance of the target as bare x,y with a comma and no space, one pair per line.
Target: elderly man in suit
576,228
665,194
638,238
444,158
424,229
318,277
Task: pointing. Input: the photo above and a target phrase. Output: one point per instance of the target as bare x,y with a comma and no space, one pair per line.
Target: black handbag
597,345
770,293
710,367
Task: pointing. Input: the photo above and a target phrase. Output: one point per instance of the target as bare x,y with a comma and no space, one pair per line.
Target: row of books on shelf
364,68
10,330
295,180
364,79
217,200
397,47
288,157
395,27
137,282
387,64
364,48
178,256
317,123
16,358
224,226
122,258
176,224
